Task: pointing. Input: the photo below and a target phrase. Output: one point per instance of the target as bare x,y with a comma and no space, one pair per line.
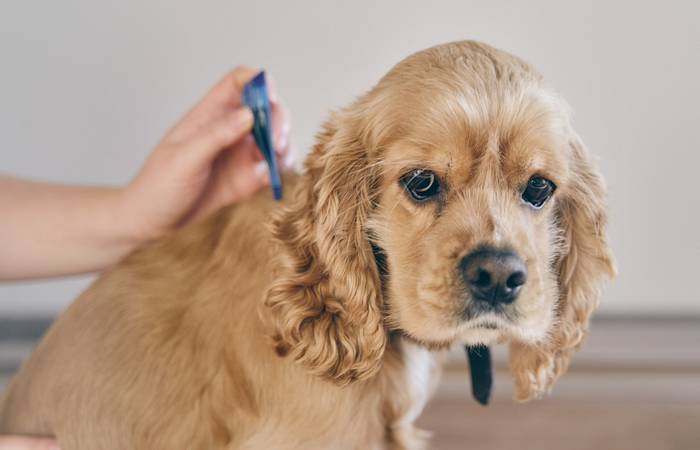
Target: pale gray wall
87,88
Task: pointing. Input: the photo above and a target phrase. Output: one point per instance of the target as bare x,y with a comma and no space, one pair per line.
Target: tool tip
277,192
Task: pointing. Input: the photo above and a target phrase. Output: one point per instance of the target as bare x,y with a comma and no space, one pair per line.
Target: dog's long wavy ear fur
585,261
325,303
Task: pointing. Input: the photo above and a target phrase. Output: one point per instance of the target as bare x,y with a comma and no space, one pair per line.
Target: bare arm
27,443
206,161
53,230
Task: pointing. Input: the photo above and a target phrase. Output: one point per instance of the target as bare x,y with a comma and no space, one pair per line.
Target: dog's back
140,358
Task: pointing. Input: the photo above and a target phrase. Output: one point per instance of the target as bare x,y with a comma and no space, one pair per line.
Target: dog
453,202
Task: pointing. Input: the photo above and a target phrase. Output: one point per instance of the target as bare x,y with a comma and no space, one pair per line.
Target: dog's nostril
516,280
483,279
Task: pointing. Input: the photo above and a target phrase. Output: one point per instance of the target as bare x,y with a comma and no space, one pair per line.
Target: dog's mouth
477,310
487,327
488,317
489,322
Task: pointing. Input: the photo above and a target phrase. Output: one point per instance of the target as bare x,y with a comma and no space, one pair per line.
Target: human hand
27,443
208,160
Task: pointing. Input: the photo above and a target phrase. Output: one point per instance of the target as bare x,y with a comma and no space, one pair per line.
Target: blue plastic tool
255,96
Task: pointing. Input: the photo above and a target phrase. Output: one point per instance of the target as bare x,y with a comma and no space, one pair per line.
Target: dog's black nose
493,276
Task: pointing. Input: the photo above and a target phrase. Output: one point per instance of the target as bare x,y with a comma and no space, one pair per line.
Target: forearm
49,230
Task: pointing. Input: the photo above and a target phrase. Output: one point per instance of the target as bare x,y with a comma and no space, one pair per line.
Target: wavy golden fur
325,329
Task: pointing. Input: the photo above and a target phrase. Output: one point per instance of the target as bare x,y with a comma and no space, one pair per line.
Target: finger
288,162
27,443
235,177
260,176
271,88
248,181
225,94
247,144
241,173
281,128
229,128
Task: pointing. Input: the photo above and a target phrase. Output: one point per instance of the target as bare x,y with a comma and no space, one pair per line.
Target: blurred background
88,88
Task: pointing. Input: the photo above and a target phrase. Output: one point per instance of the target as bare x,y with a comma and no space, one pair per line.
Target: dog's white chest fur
413,386
420,376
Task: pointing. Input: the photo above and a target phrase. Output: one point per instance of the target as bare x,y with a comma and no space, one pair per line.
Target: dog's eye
538,191
421,184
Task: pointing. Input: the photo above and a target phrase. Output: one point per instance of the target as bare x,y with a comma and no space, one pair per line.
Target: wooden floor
585,412
635,386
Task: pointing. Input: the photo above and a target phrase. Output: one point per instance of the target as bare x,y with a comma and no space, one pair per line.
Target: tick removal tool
255,97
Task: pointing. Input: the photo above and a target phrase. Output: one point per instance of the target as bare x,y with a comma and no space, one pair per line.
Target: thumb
211,139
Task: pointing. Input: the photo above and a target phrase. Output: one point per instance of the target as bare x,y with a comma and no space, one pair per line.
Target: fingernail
244,116
281,140
271,88
290,158
261,170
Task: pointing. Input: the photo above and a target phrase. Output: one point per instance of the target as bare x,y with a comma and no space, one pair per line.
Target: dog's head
453,202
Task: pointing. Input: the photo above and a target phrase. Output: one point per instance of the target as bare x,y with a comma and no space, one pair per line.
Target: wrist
129,232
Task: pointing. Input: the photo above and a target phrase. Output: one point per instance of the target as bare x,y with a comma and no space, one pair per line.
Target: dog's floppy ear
583,264
325,303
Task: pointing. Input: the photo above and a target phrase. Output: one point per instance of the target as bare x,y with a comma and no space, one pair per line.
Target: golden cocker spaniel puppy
451,203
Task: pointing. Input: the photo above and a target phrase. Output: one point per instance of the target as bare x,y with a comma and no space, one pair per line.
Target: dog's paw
408,437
